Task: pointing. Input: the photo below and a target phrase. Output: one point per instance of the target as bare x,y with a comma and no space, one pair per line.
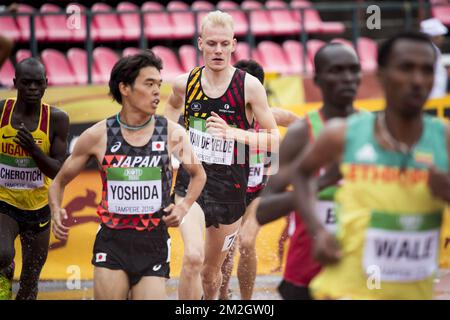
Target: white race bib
20,173
327,215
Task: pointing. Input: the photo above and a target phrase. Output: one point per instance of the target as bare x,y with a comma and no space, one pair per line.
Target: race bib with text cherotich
134,190
403,247
208,148
20,173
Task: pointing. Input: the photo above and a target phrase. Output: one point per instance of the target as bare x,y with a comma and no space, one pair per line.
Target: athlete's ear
124,89
233,45
200,43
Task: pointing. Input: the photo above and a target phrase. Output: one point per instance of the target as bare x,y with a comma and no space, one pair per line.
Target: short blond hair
217,18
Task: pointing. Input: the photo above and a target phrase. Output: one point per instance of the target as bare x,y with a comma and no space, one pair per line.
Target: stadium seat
171,66
273,57
7,74
22,54
283,21
204,7
24,24
182,22
107,25
55,25
312,46
79,33
367,51
130,21
441,12
294,53
104,60
259,19
313,22
58,69
157,24
239,18
187,54
78,61
130,51
243,53
9,28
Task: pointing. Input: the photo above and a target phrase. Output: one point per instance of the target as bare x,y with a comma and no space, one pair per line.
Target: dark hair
126,70
318,63
252,67
385,49
28,62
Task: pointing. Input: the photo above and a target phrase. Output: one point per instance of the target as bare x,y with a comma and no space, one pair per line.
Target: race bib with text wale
403,247
134,190
208,148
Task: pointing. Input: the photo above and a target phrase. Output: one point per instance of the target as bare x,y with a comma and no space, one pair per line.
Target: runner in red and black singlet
133,149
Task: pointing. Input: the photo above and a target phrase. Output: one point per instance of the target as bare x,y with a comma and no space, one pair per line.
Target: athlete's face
217,43
339,75
144,93
408,76
31,84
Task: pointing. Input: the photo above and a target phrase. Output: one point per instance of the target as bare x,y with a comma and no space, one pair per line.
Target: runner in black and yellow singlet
33,137
133,149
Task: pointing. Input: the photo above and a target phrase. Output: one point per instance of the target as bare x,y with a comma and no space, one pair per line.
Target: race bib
134,190
255,177
208,148
326,213
20,173
403,247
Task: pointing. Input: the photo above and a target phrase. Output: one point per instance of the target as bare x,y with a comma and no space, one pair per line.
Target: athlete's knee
193,261
6,256
246,244
210,274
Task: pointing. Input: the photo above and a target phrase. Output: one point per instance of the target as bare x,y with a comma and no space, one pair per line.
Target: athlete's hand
25,139
175,216
218,127
439,183
326,249
60,231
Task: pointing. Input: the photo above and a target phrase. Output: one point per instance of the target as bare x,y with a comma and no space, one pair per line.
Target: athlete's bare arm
59,130
180,147
276,201
327,149
174,105
284,118
438,181
91,143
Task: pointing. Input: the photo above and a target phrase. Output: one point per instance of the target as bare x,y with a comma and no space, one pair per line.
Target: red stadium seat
273,57
313,22
182,22
56,25
130,21
157,24
24,24
9,28
58,69
22,54
442,13
243,53
171,66
78,61
188,56
104,60
7,74
130,51
294,54
259,19
239,18
312,46
107,25
283,21
367,51
204,7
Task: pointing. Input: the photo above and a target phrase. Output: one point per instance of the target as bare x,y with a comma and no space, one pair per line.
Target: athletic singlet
388,220
226,162
136,180
300,264
22,183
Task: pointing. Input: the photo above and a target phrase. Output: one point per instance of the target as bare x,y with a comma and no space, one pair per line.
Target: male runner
220,103
33,138
395,186
133,148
